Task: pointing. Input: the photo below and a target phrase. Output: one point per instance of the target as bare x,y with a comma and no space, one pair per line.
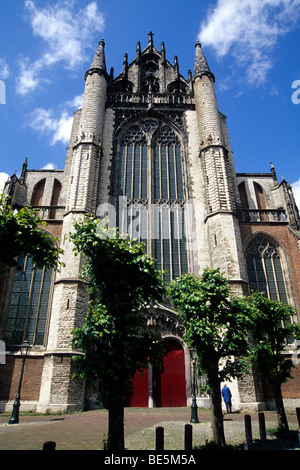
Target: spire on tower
138,50
150,40
176,65
125,64
273,171
98,64
201,66
24,169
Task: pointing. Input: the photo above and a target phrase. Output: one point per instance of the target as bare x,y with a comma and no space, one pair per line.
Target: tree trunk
116,425
216,410
282,419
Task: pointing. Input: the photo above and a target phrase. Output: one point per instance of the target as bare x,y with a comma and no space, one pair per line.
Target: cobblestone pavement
87,430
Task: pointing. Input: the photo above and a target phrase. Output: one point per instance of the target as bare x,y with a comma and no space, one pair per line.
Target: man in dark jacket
226,393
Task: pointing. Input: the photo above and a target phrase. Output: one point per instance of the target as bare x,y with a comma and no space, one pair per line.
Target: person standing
226,394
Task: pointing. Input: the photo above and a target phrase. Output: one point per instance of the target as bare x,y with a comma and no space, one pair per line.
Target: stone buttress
222,230
70,298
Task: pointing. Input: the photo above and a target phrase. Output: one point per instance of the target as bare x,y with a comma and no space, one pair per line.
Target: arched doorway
169,382
139,395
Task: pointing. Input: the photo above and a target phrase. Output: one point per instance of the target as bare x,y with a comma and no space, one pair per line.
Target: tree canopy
21,234
216,326
271,330
115,340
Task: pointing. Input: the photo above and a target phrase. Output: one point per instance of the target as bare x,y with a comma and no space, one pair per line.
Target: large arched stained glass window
28,304
133,185
265,270
150,190
168,198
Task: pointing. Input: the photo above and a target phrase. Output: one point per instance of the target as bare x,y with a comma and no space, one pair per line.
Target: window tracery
151,188
28,304
265,269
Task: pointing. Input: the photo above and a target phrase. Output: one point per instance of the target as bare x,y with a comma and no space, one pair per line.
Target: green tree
216,326
271,330
114,340
22,233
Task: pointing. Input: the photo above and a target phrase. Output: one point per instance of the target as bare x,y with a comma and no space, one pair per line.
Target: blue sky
252,47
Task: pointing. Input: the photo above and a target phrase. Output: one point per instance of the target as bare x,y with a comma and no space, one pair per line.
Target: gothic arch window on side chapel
265,269
150,190
28,304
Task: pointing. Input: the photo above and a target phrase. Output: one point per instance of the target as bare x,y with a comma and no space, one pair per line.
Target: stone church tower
150,150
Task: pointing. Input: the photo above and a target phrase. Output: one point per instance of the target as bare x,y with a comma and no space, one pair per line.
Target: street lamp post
24,350
194,407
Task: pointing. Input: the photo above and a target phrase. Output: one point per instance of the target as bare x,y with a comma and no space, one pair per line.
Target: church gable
149,72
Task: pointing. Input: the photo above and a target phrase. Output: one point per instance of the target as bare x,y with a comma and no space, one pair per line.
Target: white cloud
75,102
3,178
44,121
4,70
63,129
249,30
66,35
29,78
49,166
58,128
296,191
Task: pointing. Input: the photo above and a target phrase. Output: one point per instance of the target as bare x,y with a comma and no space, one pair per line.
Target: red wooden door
170,388
139,395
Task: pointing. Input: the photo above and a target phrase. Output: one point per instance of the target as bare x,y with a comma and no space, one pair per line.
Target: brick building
151,150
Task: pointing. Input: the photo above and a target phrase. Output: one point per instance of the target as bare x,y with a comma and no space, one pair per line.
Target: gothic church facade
150,150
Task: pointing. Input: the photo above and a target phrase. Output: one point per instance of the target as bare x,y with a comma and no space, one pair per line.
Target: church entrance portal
169,387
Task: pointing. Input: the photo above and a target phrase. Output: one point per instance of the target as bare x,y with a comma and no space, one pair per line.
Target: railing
50,212
150,98
263,215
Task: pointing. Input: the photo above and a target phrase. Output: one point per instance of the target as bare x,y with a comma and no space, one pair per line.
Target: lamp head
24,348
